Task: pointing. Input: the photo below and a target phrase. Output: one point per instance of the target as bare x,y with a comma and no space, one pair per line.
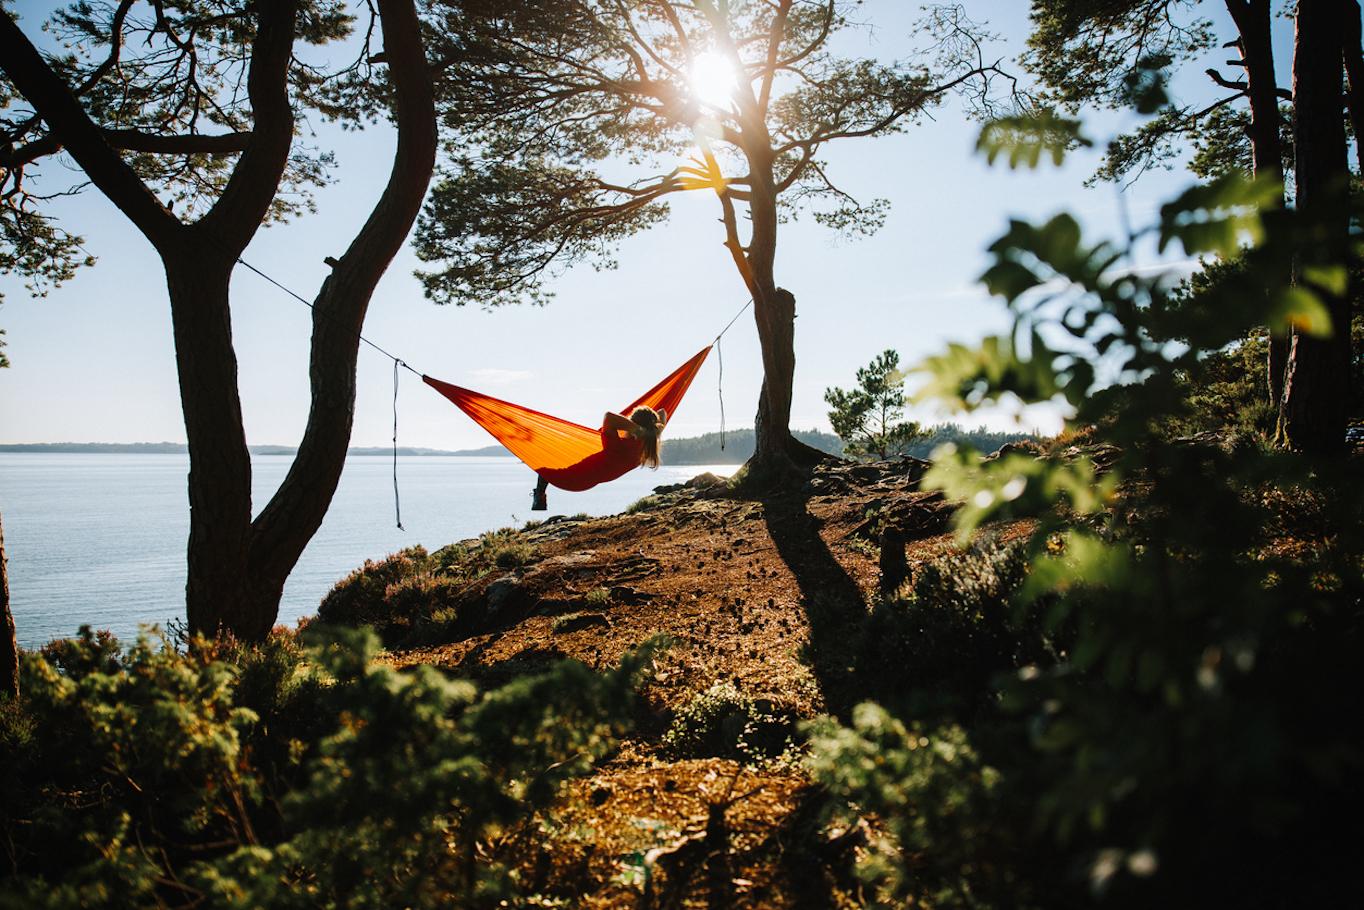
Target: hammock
570,456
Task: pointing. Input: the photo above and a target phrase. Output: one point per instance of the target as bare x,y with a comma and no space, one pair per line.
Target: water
100,539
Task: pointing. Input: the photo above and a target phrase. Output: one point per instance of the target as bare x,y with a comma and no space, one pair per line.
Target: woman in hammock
639,445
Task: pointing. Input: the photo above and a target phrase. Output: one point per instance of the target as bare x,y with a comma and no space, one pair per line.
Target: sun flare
712,80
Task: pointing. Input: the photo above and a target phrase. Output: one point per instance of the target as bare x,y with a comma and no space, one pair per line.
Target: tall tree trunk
220,465
1253,19
1317,386
9,644
294,514
779,459
1353,51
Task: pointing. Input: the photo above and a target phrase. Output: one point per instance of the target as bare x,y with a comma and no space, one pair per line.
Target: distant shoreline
179,448
732,447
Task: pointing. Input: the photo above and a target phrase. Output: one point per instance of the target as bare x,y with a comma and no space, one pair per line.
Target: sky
93,361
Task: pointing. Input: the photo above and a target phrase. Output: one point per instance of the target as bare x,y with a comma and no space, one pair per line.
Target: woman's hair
652,421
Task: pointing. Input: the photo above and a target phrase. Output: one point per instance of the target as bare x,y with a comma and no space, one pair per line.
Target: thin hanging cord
729,324
397,362
720,389
720,358
397,508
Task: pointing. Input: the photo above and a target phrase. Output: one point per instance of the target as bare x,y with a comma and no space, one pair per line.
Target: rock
576,621
501,592
624,594
866,473
704,481
1013,448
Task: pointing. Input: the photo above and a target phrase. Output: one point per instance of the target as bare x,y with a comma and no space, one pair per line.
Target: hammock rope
592,459
397,507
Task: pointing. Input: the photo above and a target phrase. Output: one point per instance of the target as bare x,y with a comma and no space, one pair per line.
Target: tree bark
1252,19
220,465
294,514
9,645
1317,384
1353,51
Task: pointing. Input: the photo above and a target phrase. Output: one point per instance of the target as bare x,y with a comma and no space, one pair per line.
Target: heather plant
141,778
414,597
1188,739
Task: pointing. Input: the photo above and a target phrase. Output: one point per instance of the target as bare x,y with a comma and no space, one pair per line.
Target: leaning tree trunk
294,514
236,568
1252,18
779,459
1317,387
9,644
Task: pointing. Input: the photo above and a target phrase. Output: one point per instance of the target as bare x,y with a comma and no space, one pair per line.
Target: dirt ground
754,592
762,594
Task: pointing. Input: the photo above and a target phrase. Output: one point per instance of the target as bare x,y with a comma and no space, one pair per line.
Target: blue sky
93,361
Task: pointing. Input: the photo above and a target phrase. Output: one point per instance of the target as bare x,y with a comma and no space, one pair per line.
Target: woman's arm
613,421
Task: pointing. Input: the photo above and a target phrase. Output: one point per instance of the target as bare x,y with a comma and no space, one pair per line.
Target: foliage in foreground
278,776
1186,736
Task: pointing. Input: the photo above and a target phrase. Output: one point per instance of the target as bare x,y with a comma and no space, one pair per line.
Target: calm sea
100,539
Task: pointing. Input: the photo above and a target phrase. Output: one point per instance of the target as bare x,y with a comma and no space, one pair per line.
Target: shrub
359,598
149,783
723,722
401,595
944,838
1190,741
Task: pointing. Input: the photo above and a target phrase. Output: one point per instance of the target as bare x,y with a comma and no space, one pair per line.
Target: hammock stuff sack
570,456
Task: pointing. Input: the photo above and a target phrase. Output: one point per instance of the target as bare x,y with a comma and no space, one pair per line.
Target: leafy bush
413,597
359,599
945,840
142,779
1189,740
723,722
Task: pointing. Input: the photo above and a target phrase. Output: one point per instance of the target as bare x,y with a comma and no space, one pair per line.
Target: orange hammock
570,456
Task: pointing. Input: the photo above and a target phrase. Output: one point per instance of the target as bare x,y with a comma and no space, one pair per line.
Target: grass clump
644,504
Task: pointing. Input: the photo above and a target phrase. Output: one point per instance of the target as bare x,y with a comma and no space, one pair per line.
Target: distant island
731,447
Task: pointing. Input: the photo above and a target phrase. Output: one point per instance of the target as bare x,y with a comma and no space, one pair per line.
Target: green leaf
1024,139
1296,307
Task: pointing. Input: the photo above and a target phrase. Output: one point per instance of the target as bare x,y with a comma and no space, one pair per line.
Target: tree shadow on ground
834,604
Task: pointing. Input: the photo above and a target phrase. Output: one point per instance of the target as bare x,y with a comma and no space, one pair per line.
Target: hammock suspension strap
672,387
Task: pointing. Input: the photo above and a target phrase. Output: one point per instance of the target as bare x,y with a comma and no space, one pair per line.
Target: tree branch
237,215
136,141
58,107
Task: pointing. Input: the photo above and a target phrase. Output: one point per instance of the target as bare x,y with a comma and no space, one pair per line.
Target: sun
712,80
